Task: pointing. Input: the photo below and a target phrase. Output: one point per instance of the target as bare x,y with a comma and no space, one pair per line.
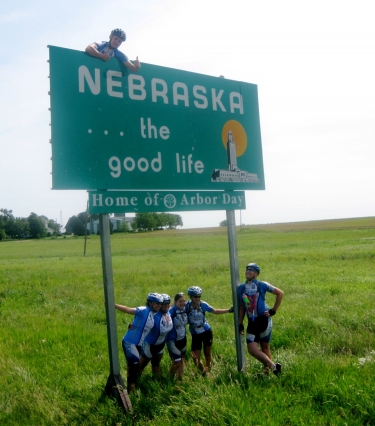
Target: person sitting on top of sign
107,49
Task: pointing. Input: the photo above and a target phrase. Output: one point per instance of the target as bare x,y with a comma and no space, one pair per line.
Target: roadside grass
53,345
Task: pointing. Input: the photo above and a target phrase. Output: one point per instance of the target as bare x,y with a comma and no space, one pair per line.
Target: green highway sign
160,128
103,202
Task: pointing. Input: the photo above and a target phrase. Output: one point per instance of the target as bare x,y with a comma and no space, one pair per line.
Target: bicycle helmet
166,299
254,266
154,298
194,291
119,33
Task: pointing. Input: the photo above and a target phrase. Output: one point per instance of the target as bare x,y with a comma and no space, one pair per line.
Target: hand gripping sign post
158,130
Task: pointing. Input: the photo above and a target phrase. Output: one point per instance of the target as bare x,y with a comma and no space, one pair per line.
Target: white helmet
194,291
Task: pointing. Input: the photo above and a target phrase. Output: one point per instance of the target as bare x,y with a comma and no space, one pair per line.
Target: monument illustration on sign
233,173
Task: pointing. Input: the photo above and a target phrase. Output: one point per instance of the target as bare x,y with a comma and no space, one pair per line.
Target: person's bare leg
196,355
265,346
180,370
174,368
143,362
259,355
208,357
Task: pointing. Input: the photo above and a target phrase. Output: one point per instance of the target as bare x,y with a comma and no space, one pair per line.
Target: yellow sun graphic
239,136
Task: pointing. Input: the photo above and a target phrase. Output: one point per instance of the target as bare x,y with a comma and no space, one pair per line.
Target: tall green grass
53,344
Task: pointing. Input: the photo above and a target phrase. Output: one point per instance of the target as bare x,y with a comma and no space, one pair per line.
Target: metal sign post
115,385
235,280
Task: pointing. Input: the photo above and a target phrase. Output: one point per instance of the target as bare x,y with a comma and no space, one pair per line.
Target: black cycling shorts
180,344
204,338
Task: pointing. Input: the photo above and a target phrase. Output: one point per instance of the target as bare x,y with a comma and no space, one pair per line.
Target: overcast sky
313,62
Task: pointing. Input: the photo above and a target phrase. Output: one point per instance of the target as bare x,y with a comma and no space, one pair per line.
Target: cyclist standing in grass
176,338
137,331
200,330
153,347
252,295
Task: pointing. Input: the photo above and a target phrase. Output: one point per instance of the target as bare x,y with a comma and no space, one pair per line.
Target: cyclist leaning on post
132,341
252,295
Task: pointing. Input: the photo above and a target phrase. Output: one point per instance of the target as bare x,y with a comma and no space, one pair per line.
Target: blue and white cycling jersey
179,318
196,317
103,47
253,297
163,324
140,327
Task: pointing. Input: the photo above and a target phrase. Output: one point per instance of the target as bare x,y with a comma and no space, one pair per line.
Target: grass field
53,344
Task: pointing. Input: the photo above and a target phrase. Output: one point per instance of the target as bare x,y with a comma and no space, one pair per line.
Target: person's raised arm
125,309
134,67
222,311
93,51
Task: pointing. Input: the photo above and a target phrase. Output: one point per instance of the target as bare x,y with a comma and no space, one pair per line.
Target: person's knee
143,362
252,349
155,361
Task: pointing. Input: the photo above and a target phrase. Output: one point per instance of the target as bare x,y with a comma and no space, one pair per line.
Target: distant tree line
77,224
33,226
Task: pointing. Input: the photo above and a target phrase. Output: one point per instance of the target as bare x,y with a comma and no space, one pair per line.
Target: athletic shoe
277,370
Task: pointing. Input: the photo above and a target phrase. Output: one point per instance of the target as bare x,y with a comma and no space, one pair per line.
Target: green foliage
223,223
151,221
173,220
84,217
146,221
18,227
54,354
54,226
124,227
37,226
76,226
